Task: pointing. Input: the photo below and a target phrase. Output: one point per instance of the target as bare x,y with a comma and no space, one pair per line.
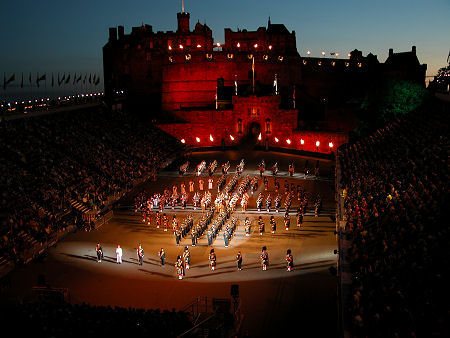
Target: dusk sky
60,36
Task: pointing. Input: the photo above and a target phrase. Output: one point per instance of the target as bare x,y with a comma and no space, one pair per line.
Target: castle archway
253,129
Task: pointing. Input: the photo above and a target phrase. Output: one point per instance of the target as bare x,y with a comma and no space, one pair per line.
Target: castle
254,83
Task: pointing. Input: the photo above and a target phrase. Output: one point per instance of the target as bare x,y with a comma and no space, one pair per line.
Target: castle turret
183,22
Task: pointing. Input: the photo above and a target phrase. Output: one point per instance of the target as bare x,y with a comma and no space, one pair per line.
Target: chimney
183,22
414,50
120,30
112,34
391,51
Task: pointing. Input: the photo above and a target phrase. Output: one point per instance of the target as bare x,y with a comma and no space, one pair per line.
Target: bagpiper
273,224
212,259
193,237
191,186
140,254
262,168
264,258
158,219
248,226
291,169
210,183
261,225
287,221
259,201
196,200
268,202
275,169
266,183
165,222
276,183
289,260
225,167
187,257
179,267
278,203
239,260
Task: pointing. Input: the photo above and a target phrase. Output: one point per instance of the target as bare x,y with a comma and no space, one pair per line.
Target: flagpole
253,74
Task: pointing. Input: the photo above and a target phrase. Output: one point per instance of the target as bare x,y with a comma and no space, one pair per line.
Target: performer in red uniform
179,267
264,258
289,260
212,259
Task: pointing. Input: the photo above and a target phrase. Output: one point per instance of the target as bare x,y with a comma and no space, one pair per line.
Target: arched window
268,126
239,126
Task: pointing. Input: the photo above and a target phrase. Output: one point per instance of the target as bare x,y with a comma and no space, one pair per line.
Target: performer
268,202
175,225
212,259
299,218
261,225
289,260
262,167
210,183
140,254
99,251
277,184
226,238
191,186
275,169
165,222
264,258
239,260
196,200
179,267
259,201
266,183
291,169
162,256
119,254
287,221
187,258
200,184
248,226
158,219
193,237
177,236
273,224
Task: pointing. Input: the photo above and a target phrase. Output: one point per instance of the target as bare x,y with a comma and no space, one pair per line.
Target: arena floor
273,301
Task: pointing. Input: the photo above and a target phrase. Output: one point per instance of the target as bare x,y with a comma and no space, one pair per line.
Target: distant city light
170,47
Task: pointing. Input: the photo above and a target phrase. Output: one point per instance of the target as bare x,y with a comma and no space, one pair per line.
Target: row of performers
291,169
211,167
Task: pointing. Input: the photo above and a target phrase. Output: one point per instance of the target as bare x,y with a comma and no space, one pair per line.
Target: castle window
268,126
304,62
239,126
188,41
359,64
280,58
347,64
209,56
266,57
147,57
333,63
151,44
250,56
188,57
230,56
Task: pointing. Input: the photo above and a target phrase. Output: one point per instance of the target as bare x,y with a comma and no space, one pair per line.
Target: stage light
197,139
259,137
231,137
330,144
276,139
211,138
199,46
270,47
308,52
317,143
181,47
183,141
302,141
337,54
256,45
349,54
323,53
238,45
288,141
218,44
170,47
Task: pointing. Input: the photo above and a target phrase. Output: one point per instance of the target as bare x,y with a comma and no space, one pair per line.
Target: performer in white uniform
119,254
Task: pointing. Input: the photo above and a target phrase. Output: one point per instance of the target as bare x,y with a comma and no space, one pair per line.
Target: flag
53,80
79,78
68,79
98,81
74,78
21,83
84,80
94,79
39,79
60,82
90,78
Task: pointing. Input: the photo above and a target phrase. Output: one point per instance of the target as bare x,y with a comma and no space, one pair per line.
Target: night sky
60,36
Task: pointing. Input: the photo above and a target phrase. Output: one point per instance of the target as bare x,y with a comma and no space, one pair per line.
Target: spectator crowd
395,188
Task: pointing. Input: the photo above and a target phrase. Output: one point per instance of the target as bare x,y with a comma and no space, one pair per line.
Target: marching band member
162,256
187,257
99,251
273,224
179,267
212,259
239,260
119,254
140,254
248,226
264,258
289,260
261,225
